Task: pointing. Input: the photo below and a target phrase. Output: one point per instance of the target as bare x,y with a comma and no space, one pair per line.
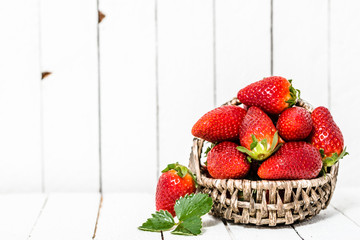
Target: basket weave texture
264,202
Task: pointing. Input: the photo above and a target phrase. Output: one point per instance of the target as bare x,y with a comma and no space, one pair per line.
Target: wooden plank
329,224
242,45
67,216
70,95
128,91
346,201
254,232
300,33
345,58
185,33
18,214
122,213
20,138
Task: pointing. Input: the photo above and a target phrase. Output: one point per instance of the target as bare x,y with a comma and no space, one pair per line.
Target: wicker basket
264,202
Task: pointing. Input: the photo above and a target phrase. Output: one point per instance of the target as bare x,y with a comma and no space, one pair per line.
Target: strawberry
272,94
326,136
294,124
220,124
258,135
225,161
294,160
175,181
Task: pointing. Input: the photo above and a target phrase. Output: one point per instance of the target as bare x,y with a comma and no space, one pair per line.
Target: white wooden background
123,94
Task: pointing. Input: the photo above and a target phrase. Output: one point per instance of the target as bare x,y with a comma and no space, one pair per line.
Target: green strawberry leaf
322,152
343,153
264,143
191,226
180,169
274,141
249,159
192,205
160,221
244,150
294,94
209,149
254,142
329,161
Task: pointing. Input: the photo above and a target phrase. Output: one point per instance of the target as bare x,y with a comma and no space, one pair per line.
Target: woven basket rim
266,184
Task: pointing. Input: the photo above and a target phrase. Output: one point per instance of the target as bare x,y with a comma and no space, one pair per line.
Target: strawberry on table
225,161
175,181
272,94
294,160
294,124
326,136
220,124
258,135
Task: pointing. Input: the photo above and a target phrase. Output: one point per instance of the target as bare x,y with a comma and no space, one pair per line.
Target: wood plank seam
43,75
157,90
329,52
38,216
345,215
271,38
100,17
214,51
232,237
292,226
98,215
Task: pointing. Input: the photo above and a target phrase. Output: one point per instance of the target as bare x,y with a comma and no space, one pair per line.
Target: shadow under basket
264,202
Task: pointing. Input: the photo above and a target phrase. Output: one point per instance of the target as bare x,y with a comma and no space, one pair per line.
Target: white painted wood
213,228
346,200
345,102
20,129
128,95
70,95
18,214
300,32
185,41
67,216
329,224
122,213
253,232
242,45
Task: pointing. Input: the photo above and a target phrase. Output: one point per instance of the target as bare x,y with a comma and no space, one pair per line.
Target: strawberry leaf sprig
188,209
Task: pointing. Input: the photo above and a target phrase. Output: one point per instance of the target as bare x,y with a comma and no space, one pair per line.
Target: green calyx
329,161
209,149
260,150
180,169
294,94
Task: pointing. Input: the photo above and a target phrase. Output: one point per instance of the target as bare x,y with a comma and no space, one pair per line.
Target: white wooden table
77,216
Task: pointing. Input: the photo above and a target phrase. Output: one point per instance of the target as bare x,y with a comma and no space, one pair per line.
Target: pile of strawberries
268,137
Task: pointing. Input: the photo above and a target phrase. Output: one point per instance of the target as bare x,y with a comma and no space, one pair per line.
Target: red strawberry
175,182
272,94
294,124
220,124
258,135
294,160
326,136
225,161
